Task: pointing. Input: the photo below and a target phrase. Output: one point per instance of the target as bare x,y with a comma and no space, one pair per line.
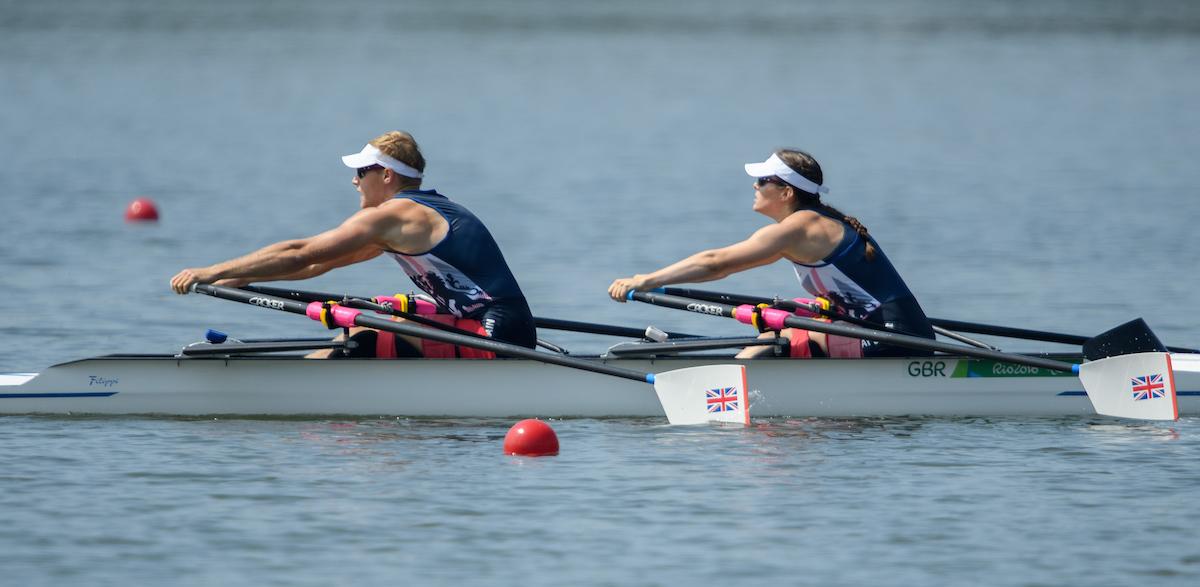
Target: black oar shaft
956,325
788,305
893,338
716,296
263,300
1008,332
357,303
236,348
546,323
696,344
1021,333
295,294
592,328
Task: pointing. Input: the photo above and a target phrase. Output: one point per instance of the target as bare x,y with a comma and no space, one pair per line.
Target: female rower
443,248
833,255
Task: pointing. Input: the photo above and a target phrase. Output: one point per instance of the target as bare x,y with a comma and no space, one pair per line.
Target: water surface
1029,164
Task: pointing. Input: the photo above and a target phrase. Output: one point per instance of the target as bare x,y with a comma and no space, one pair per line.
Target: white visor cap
775,166
371,155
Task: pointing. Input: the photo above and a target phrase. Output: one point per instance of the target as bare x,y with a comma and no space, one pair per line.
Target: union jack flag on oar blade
1148,387
722,399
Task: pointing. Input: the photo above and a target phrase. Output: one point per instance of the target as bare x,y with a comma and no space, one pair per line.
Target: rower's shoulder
404,208
411,215
382,216
811,220
804,217
802,221
399,204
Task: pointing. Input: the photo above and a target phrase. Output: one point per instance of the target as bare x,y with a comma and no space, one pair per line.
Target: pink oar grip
744,314
774,318
342,316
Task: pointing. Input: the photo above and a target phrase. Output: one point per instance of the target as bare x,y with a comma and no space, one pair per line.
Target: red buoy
141,210
531,438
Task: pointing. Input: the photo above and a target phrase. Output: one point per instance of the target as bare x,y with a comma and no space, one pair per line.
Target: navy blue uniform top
467,275
871,290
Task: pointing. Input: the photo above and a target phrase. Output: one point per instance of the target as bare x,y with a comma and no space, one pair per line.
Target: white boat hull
290,386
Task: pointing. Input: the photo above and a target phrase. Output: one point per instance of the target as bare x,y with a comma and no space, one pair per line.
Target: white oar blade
698,395
1140,386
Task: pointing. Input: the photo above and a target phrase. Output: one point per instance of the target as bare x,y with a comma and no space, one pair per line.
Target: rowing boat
293,386
250,378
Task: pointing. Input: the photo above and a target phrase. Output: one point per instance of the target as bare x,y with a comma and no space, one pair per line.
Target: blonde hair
401,146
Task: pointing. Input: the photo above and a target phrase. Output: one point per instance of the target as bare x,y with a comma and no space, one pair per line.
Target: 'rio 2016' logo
267,303
705,309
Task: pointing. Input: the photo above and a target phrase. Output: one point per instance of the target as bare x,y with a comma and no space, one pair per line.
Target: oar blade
699,395
1140,386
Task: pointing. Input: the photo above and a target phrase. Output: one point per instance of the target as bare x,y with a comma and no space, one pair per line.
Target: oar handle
786,319
347,317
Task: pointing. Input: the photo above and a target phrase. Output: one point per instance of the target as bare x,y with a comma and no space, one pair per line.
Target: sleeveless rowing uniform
467,275
871,290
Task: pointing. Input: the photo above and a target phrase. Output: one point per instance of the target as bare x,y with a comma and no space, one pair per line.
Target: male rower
442,246
833,255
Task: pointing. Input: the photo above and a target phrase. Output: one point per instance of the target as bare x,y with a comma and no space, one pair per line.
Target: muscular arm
307,272
357,239
764,246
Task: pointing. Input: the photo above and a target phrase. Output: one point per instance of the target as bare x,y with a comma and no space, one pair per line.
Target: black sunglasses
766,180
362,172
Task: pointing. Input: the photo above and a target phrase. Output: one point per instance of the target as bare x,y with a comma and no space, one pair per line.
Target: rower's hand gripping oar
694,395
1140,385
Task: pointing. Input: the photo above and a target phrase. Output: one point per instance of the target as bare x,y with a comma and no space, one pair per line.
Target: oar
954,325
794,305
1107,381
1025,334
605,329
416,309
694,395
540,322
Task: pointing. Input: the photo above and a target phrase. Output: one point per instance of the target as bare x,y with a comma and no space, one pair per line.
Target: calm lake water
1029,164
